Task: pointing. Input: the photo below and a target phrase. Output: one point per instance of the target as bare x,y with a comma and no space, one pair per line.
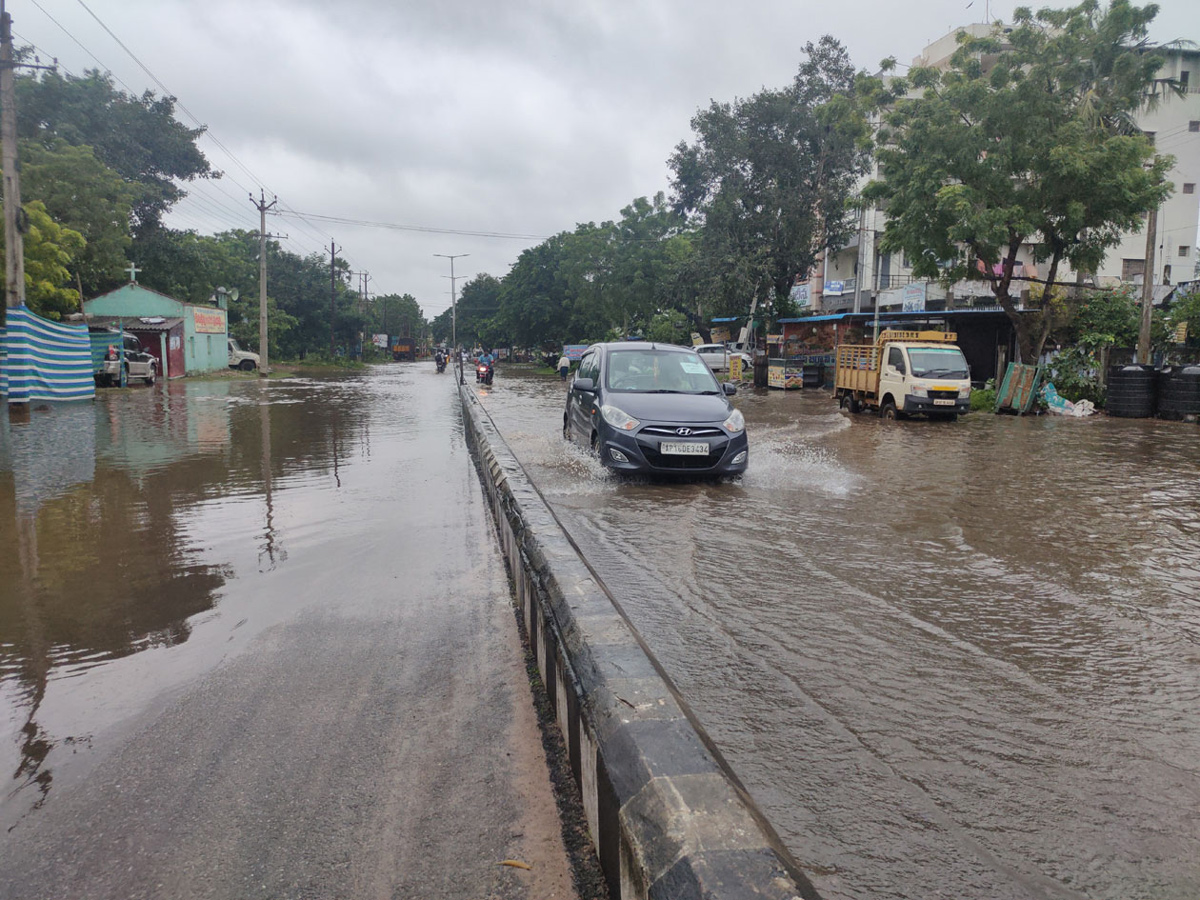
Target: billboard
574,351
208,321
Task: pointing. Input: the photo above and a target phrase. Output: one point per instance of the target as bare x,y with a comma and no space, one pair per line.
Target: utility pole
454,309
14,243
333,249
262,205
1143,351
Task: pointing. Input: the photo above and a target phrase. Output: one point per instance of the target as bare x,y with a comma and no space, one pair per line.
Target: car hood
672,407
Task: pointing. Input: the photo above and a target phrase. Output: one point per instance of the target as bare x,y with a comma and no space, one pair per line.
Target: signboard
800,295
735,367
835,288
912,298
380,341
696,339
208,321
720,335
574,351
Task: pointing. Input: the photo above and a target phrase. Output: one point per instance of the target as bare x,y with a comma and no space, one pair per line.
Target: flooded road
954,660
257,641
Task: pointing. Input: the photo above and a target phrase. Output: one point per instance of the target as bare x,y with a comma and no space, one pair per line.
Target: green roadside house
187,338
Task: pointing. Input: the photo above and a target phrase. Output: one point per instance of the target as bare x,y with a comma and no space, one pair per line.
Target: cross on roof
133,270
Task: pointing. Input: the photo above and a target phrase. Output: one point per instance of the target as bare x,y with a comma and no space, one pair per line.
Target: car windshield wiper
707,393
663,391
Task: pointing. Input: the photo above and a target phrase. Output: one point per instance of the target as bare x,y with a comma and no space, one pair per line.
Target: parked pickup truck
904,373
108,359
242,359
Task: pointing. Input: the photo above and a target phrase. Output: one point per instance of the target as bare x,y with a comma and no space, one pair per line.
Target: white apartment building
858,275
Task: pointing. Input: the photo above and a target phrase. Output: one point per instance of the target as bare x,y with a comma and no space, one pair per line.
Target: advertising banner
913,297
380,341
720,334
574,351
208,321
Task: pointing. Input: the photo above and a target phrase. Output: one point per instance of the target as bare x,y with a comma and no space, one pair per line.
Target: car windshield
938,362
659,372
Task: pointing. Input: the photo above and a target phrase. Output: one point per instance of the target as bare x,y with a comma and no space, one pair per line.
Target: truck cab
905,373
924,378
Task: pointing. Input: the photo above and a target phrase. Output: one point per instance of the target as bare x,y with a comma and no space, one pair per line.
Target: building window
1183,250
1194,125
1132,268
1183,79
1189,187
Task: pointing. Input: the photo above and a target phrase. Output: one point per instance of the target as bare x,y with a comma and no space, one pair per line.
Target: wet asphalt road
257,642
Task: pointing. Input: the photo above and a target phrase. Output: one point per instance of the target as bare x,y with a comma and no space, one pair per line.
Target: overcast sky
517,118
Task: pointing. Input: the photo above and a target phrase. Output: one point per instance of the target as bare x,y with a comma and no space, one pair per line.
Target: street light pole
454,309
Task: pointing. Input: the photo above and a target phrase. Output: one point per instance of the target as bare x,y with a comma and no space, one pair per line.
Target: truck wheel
246,365
888,411
849,403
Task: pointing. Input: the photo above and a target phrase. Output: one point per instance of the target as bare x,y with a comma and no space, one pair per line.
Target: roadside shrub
983,400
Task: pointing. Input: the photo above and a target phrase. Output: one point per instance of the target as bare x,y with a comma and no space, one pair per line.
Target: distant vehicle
242,359
404,348
904,373
107,362
716,357
654,409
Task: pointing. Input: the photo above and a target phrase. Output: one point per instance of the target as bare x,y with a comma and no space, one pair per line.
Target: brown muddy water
951,660
152,534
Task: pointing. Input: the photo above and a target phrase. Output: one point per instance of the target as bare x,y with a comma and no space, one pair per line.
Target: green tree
1025,140
49,251
138,137
83,194
769,180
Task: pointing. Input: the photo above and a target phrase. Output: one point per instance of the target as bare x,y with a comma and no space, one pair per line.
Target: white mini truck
904,373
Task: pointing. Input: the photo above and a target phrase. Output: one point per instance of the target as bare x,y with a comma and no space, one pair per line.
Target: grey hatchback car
655,409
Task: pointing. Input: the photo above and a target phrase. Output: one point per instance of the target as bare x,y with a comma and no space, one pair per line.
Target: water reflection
124,518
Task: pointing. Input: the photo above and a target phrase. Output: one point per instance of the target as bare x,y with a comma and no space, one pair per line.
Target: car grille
943,395
672,431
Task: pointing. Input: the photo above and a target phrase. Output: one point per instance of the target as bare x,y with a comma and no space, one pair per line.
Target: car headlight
618,418
735,423
964,393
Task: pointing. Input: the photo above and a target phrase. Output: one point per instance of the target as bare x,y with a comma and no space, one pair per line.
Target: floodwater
132,532
951,660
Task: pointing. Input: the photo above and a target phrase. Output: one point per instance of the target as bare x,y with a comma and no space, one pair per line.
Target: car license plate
943,402
689,449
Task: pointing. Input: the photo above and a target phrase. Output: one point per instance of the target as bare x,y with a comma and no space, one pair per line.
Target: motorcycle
484,373
441,364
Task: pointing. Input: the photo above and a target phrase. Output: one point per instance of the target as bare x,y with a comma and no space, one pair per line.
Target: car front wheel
889,412
151,374
246,365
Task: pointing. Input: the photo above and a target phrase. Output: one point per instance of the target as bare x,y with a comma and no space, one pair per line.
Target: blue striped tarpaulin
44,360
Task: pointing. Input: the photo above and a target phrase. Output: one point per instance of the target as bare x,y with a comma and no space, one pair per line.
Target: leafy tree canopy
137,137
1026,139
768,180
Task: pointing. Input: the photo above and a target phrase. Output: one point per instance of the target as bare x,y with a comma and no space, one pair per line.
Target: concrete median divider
667,815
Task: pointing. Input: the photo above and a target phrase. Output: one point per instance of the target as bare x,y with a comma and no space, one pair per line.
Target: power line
425,229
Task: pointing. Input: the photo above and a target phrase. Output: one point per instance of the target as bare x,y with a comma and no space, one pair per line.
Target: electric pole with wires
262,205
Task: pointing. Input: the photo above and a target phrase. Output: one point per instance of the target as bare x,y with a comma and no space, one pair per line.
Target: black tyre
888,411
151,374
246,365
849,403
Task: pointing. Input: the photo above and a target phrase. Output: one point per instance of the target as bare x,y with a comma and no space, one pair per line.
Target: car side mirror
584,384
729,388
900,368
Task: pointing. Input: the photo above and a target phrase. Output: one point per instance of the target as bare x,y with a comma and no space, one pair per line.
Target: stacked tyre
1130,392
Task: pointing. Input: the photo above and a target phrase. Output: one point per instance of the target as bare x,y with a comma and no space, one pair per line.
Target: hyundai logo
683,432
